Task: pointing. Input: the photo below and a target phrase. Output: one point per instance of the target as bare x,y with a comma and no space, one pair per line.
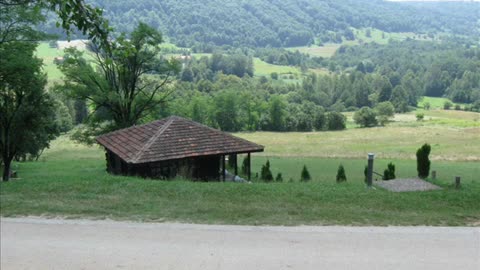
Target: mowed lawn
70,181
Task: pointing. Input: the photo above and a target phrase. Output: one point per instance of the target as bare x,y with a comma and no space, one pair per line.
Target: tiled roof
172,138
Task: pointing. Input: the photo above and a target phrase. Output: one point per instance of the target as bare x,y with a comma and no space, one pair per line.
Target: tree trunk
6,171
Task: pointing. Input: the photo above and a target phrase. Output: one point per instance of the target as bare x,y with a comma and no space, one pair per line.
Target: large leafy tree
127,80
27,112
18,17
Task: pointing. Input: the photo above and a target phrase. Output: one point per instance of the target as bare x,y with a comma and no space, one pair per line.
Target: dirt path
79,244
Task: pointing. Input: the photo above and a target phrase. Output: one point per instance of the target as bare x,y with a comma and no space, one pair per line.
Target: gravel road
35,243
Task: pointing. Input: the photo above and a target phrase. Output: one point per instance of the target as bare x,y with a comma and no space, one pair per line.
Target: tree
399,99
130,81
336,121
341,177
385,111
277,113
389,173
72,13
365,117
266,174
423,161
27,111
305,175
279,178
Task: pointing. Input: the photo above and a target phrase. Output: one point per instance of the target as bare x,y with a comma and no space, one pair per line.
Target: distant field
327,50
454,135
436,102
263,68
48,55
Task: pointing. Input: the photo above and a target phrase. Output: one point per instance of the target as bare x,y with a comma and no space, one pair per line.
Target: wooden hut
172,147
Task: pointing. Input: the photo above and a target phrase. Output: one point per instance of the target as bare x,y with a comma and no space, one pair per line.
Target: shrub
274,75
365,117
447,105
245,163
426,106
279,178
341,177
457,107
385,111
423,162
305,177
336,121
420,116
389,173
266,174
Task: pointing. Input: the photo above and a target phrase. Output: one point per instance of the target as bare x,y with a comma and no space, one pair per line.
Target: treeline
438,69
260,23
248,104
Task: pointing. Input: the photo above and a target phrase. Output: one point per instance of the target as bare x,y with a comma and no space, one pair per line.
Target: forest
204,25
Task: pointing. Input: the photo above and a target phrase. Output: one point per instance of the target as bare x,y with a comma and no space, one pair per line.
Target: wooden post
457,182
249,171
434,175
223,168
236,164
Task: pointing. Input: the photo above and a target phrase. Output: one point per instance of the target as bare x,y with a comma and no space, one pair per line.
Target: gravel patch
404,185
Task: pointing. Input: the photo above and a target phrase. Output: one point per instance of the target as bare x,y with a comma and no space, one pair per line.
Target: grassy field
328,50
48,55
70,181
263,68
436,102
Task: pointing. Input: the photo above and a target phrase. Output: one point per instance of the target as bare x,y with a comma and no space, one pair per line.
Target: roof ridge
153,139
220,131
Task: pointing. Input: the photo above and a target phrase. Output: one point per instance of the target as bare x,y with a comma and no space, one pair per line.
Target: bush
457,107
266,174
385,111
447,105
423,162
336,121
389,173
365,172
245,165
420,116
274,75
305,177
279,178
365,117
341,177
426,106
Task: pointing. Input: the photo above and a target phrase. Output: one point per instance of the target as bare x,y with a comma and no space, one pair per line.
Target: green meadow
70,181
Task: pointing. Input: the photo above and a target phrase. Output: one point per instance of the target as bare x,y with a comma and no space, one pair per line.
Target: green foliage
423,161
279,178
27,112
245,163
365,117
336,121
341,176
277,113
119,86
420,116
447,105
265,174
389,173
385,111
274,75
305,175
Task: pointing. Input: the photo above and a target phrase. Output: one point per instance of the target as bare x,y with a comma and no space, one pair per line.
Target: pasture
70,181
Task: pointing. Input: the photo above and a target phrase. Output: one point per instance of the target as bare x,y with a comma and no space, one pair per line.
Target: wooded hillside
275,23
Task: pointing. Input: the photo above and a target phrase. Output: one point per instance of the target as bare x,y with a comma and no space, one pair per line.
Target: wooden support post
457,182
236,164
223,168
249,171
